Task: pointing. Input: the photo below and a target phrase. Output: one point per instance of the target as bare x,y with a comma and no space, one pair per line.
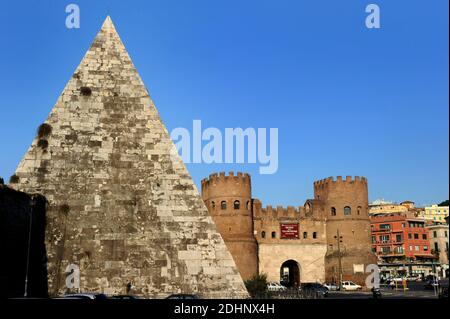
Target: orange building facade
403,247
396,235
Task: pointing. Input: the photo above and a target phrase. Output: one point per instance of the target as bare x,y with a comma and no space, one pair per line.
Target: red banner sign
289,231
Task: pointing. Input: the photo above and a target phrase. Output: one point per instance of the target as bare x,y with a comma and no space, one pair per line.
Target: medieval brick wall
308,250
344,203
315,250
229,201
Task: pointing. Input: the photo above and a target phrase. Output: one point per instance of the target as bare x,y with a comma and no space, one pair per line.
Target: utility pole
435,278
25,293
338,237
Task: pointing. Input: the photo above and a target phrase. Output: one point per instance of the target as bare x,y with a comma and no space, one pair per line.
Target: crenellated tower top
220,185
339,179
339,185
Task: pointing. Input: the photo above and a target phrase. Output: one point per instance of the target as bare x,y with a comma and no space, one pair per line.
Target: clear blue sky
347,100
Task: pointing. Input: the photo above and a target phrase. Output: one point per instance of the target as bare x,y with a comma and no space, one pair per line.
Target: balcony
391,230
381,230
391,254
424,255
385,242
435,252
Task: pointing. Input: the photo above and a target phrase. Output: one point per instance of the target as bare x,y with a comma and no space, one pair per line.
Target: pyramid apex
108,24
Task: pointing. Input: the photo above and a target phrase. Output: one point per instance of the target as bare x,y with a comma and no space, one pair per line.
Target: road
415,290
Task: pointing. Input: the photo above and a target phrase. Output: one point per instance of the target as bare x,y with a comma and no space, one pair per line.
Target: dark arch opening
290,274
347,211
333,211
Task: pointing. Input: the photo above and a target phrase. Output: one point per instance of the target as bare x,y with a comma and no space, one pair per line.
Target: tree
257,285
444,203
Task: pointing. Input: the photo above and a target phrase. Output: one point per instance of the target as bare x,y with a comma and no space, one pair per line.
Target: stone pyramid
122,205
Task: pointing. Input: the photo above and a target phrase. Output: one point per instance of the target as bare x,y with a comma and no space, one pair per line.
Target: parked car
125,297
183,296
350,286
274,286
315,290
443,289
395,282
392,284
413,278
331,286
88,296
432,284
443,293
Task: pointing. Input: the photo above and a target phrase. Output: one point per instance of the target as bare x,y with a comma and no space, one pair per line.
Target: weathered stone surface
122,205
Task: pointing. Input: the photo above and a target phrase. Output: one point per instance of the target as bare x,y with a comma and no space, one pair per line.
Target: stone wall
310,258
122,205
18,212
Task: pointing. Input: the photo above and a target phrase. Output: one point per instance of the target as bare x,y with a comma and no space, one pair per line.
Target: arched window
308,208
263,234
248,205
333,211
274,234
305,235
223,205
213,205
359,210
347,211
237,204
315,235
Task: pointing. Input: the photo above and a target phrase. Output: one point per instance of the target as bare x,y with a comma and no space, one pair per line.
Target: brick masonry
256,230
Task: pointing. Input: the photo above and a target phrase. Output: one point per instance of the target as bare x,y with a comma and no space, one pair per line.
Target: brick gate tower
229,201
345,207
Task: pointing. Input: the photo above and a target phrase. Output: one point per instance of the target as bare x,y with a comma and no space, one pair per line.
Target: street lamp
338,237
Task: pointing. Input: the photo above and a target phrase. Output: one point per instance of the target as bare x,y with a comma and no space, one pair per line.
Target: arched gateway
290,273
